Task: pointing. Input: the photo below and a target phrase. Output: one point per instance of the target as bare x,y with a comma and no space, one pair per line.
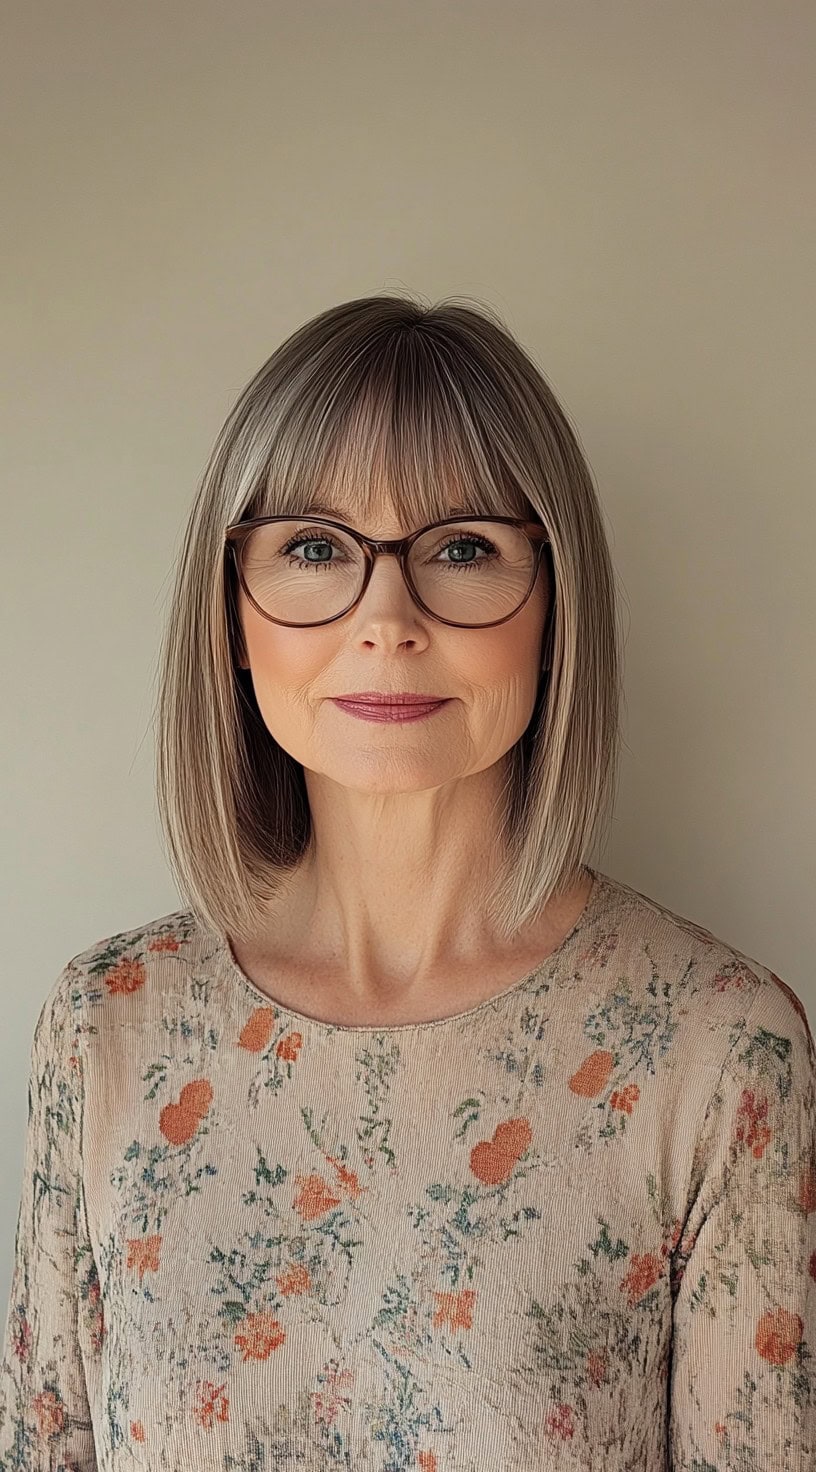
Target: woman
413,1141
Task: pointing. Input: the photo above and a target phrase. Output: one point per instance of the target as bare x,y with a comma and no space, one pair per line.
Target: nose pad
396,573
408,609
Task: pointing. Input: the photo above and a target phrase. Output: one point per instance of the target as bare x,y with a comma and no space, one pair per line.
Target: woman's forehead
340,513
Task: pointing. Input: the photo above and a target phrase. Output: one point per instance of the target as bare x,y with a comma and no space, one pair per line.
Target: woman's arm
45,1420
743,1377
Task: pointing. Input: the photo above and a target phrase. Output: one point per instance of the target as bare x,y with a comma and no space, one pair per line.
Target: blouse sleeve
743,1365
45,1422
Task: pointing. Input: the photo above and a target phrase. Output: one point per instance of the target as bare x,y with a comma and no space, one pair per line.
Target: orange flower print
295,1280
676,1230
731,974
96,1315
600,950
673,1238
289,1047
314,1197
143,1254
50,1413
494,1160
212,1404
426,1461
347,1180
596,1366
164,943
807,1190
179,1122
560,1424
326,1403
778,1336
137,1431
644,1271
197,1096
258,1335
454,1310
22,1337
257,1030
751,1128
625,1098
592,1075
125,976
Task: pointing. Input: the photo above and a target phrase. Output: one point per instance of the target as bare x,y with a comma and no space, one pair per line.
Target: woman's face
488,678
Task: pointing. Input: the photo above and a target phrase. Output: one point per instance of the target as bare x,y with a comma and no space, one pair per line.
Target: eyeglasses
468,571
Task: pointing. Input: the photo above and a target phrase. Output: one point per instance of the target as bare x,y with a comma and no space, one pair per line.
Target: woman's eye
476,542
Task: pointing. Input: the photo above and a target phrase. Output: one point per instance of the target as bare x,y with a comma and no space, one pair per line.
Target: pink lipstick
402,710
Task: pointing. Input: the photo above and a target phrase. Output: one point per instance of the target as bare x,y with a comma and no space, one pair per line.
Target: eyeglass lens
469,573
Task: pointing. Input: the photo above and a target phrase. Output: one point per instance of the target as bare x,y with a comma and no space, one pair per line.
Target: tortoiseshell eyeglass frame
236,535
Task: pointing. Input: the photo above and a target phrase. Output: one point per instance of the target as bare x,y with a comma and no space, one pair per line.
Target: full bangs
393,423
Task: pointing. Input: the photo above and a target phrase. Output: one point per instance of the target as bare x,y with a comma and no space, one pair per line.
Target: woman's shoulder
118,964
130,976
724,992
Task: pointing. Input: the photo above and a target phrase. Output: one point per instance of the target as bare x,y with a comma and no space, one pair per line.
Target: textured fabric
573,1227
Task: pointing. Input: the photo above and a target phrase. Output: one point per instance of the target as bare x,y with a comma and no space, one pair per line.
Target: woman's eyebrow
319,509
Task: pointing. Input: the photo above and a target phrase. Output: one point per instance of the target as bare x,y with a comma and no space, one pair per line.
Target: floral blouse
572,1227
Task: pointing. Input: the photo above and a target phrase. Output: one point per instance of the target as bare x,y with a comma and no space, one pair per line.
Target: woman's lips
370,711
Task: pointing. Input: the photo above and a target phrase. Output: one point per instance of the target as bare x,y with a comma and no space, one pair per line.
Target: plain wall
630,184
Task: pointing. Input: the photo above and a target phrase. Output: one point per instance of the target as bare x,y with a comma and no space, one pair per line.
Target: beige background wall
630,184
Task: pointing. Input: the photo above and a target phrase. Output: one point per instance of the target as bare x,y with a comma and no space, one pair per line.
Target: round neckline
231,968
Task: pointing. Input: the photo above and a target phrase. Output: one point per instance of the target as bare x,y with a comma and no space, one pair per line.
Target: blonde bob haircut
385,398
